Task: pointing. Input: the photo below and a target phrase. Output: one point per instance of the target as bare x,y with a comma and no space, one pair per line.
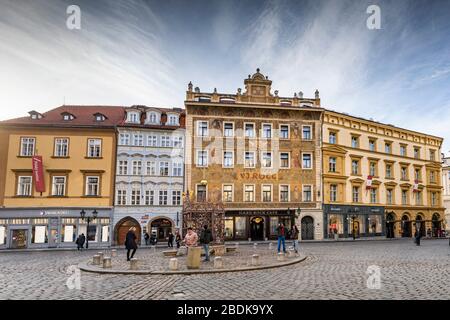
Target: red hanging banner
38,173
369,183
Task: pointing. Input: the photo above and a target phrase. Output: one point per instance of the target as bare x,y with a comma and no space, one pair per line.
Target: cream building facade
446,185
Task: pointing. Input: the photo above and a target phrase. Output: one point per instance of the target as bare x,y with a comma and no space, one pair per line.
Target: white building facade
149,173
446,185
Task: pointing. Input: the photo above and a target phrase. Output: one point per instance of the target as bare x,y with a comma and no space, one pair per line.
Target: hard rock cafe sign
258,176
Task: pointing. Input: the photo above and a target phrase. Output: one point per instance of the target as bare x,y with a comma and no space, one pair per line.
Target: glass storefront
240,224
229,228
375,224
335,224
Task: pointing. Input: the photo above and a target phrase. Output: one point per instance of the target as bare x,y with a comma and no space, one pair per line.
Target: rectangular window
388,171
284,160
177,169
267,193
404,197
202,128
202,158
227,193
124,139
284,193
24,186
39,234
58,186
266,160
418,197
404,173
164,168
163,197
249,193
355,167
432,177
389,196
136,197
173,120
355,192
307,161
403,151
228,129
123,167
373,195
432,155
433,198
151,168
333,192
178,142
372,145
416,153
267,131
201,193
373,169
94,148
137,167
61,147
307,133
355,142
387,148
165,141
121,197
332,137
284,131
228,159
149,197
332,164
417,175
92,186
27,145
176,198
138,140
249,160
249,130
152,141
307,193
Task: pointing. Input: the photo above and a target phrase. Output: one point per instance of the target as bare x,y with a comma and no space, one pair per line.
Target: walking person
281,232
146,238
205,239
130,243
417,236
294,234
80,241
178,239
170,238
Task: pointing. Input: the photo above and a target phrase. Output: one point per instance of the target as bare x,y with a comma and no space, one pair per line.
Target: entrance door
406,227
123,227
257,228
161,227
19,238
356,228
307,228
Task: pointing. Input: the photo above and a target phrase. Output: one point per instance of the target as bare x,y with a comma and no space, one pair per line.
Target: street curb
84,266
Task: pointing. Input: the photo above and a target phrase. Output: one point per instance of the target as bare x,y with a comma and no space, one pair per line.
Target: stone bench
170,253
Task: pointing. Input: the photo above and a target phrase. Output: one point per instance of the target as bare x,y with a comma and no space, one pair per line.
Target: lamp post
88,220
178,218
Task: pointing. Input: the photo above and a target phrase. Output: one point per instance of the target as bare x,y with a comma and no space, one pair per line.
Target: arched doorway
307,228
436,224
122,228
406,226
161,227
257,228
390,220
420,225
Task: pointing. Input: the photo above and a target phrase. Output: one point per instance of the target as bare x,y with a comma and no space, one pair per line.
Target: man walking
80,242
294,235
170,240
130,243
205,239
281,231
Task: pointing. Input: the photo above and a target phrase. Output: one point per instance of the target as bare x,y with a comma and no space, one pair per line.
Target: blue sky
145,52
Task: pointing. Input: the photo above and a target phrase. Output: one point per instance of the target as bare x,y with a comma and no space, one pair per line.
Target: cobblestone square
334,270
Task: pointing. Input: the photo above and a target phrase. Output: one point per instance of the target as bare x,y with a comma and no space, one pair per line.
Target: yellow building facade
379,180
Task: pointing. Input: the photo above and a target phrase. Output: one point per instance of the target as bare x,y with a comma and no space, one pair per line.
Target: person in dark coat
146,237
281,232
153,239
170,238
417,235
80,242
178,239
130,243
205,238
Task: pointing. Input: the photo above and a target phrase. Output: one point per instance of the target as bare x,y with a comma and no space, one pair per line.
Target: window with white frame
124,139
388,171
389,196
163,197
133,117
373,195
267,131
355,167
249,161
58,186
228,129
388,147
332,137
227,193
137,167
27,145
284,160
372,145
201,193
136,196
173,120
151,168
307,132
24,186
373,169
332,164
61,147
307,161
164,168
153,118
249,129
202,158
121,199
249,193
123,167
178,142
403,150
92,185
177,169
433,198
202,128
284,131
355,142
138,139
418,197
152,140
267,193
94,148
165,141
404,197
149,197
307,193
228,159
355,193
176,198
266,160
284,193
333,192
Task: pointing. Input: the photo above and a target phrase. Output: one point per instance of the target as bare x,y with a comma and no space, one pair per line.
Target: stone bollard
113,253
96,260
193,257
134,264
107,262
255,260
218,263
101,254
173,264
280,256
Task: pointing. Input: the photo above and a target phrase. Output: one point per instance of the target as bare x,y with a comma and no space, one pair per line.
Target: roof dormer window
68,116
35,115
99,117
173,120
133,117
153,117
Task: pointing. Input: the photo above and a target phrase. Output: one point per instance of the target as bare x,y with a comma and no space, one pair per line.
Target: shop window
2,235
92,233
241,227
375,225
229,228
68,230
105,234
273,226
39,234
335,224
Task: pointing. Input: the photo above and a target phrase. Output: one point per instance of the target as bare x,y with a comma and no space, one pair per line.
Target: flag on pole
369,183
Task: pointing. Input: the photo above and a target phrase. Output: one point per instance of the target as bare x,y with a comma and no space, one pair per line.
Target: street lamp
88,220
178,219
